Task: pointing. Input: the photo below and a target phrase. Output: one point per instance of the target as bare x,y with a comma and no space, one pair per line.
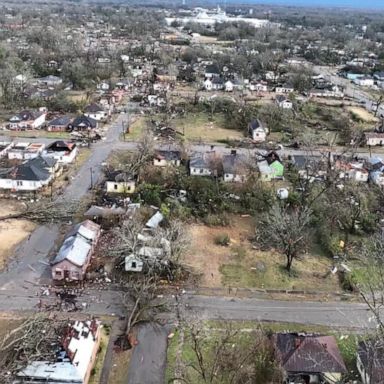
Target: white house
257,131
103,86
270,75
284,89
74,364
364,81
283,102
27,177
228,86
214,84
374,138
64,152
50,81
235,168
165,158
202,163
94,111
258,87
207,85
27,119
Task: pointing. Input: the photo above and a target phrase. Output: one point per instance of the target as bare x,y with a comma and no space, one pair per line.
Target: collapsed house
74,361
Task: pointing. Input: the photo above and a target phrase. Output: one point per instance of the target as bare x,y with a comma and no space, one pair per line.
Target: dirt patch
207,257
362,114
12,232
241,265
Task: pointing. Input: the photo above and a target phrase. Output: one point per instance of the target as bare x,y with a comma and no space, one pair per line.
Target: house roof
60,121
50,78
26,115
371,353
304,162
61,146
254,124
308,353
54,372
93,108
84,121
29,172
234,164
43,162
217,80
75,249
212,68
78,244
201,159
281,98
168,155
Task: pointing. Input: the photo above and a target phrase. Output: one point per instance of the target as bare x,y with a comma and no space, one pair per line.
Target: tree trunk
289,262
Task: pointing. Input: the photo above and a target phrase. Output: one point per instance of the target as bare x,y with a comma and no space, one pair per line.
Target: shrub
222,239
217,220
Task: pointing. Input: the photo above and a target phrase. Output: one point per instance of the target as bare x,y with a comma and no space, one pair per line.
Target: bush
217,220
222,239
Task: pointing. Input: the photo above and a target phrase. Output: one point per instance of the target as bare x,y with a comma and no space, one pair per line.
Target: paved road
149,358
336,314
350,89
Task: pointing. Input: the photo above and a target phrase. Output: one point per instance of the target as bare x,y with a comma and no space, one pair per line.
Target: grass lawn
39,133
136,129
119,370
362,114
197,126
240,265
77,96
96,371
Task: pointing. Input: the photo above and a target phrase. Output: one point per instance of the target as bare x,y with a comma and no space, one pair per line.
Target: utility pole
91,177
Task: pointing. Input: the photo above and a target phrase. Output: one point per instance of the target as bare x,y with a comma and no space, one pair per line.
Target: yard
197,126
240,265
12,232
136,128
363,114
37,133
180,348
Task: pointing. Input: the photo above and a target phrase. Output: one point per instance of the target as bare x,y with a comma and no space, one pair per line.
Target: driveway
149,356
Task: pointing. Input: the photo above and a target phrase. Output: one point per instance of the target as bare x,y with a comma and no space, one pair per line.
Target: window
129,188
115,186
58,273
19,183
201,170
133,265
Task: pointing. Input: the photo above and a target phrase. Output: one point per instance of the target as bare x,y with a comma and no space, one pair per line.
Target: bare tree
285,228
222,356
36,338
46,211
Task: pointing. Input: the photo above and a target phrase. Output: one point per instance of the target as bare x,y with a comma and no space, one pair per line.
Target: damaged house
74,361
74,256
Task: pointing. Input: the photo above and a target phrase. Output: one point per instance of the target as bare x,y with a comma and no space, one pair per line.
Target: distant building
257,131
283,102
